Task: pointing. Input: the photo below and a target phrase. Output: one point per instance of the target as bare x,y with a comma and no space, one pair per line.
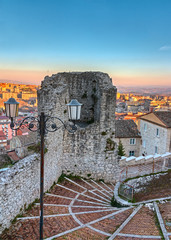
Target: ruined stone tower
91,151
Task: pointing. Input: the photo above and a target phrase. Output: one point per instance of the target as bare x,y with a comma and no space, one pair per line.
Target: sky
128,39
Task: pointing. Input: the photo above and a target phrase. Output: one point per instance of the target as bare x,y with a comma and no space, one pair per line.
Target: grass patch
15,219
70,176
88,175
36,148
5,161
114,203
31,204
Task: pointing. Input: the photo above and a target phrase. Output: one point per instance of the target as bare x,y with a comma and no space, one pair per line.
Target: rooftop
126,129
165,117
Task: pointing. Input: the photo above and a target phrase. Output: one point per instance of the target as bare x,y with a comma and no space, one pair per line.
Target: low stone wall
124,161
133,167
20,184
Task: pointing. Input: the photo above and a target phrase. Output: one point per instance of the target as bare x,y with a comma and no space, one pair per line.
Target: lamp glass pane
16,112
73,111
7,106
78,112
13,110
69,112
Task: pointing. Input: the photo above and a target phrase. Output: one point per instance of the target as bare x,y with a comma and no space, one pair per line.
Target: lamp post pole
42,133
43,126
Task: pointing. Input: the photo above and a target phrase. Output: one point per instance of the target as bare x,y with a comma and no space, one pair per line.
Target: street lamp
43,124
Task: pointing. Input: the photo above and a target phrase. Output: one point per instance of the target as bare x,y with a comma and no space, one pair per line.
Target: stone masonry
91,151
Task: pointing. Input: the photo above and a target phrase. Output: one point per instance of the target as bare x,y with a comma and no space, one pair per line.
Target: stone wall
91,151
19,186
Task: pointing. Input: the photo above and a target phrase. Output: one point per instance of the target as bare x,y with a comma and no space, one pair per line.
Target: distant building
7,95
27,96
133,117
26,111
3,140
155,128
5,127
126,131
20,143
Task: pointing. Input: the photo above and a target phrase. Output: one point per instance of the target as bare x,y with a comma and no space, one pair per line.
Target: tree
121,151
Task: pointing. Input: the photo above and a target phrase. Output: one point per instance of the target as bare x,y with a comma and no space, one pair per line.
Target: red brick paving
165,210
76,202
143,223
132,238
56,200
75,210
83,234
110,225
48,210
85,218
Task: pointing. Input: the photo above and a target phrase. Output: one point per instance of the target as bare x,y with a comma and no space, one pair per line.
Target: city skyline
130,40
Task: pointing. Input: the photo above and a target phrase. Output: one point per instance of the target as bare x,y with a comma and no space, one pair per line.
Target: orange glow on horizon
35,77
24,76
141,80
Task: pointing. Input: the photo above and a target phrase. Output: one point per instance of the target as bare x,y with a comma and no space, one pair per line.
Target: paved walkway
81,210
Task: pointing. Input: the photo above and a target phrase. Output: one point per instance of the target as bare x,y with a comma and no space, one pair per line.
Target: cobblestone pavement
81,210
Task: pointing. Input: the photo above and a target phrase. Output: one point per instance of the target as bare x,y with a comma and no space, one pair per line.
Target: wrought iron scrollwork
32,123
51,124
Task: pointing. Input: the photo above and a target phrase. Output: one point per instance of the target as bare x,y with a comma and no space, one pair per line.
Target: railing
133,167
127,191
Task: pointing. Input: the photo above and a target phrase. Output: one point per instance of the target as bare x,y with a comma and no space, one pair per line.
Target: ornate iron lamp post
42,124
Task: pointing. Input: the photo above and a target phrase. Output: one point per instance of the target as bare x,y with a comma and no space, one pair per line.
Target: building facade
155,131
128,134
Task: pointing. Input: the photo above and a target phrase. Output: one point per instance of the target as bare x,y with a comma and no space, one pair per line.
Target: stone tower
91,151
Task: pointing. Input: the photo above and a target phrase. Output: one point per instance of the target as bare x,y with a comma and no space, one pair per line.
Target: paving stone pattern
81,210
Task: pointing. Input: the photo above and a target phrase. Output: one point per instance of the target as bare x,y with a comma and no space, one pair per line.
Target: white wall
152,140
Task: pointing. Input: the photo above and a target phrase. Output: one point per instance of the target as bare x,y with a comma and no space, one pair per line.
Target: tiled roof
126,129
165,117
13,156
22,131
27,139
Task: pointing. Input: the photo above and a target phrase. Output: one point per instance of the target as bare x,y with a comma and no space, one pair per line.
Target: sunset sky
128,39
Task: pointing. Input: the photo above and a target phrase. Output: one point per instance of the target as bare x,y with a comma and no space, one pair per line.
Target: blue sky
129,39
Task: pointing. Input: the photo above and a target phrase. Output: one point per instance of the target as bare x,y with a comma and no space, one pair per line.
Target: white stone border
125,222
164,231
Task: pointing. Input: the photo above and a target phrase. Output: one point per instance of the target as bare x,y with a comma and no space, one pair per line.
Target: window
131,153
156,150
157,132
132,141
144,143
145,127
